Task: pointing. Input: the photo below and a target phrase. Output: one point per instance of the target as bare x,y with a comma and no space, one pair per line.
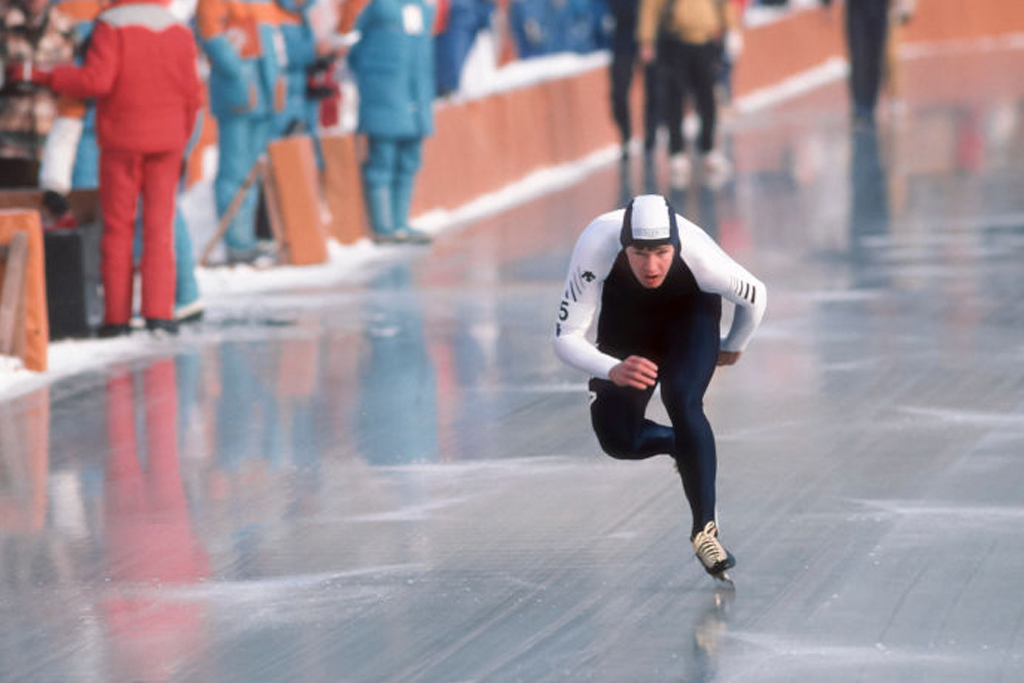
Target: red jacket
141,68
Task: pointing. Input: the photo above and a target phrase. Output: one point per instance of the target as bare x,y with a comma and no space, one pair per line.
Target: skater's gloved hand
733,44
25,73
636,372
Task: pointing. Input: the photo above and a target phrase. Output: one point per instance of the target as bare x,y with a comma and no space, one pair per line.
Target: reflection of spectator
31,32
869,210
141,68
624,54
394,66
397,420
248,431
247,89
148,533
688,54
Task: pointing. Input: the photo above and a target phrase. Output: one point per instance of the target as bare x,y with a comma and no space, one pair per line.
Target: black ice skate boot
712,554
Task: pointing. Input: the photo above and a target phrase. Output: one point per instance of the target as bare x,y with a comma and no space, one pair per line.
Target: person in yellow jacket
687,37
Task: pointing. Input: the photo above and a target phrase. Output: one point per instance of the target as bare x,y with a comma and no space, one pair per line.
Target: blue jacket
394,66
300,47
242,39
299,41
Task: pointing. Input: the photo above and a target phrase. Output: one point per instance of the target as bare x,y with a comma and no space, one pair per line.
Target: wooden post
236,203
12,308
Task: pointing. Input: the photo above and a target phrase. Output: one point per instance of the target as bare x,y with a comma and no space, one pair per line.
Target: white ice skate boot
712,554
679,167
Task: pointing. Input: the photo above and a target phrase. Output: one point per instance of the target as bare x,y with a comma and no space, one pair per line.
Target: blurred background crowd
74,95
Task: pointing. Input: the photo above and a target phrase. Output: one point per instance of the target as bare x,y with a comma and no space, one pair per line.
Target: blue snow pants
240,141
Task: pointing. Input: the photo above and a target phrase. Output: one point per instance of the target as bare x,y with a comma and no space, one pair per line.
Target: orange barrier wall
776,51
483,145
806,38
37,326
942,20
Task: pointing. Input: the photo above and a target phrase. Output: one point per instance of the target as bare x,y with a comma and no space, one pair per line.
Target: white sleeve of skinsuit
591,262
717,273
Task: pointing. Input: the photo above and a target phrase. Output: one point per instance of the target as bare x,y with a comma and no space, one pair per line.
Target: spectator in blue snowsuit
300,113
532,28
394,67
466,18
248,90
543,27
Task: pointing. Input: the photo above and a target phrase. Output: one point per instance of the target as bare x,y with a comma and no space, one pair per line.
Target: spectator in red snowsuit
141,68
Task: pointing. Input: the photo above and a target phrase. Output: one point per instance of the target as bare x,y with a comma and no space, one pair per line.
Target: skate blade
724,578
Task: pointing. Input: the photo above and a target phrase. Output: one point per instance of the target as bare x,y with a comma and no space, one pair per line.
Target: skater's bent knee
615,445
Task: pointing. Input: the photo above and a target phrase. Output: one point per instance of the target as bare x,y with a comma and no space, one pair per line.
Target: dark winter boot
110,330
161,327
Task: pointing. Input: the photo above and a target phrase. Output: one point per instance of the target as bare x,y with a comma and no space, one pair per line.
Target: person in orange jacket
141,69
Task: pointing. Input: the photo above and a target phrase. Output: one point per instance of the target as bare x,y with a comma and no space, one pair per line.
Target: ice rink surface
396,481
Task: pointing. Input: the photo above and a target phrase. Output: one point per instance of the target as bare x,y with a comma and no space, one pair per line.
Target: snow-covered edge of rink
242,286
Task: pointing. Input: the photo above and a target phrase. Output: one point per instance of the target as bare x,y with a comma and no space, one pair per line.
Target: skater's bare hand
646,53
728,357
636,372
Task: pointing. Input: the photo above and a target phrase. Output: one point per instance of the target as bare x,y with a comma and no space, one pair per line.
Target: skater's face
650,265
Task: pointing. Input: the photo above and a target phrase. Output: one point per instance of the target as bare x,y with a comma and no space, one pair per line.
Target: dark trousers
689,68
622,70
617,413
867,24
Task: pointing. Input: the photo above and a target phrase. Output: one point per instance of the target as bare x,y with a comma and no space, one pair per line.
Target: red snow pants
125,176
